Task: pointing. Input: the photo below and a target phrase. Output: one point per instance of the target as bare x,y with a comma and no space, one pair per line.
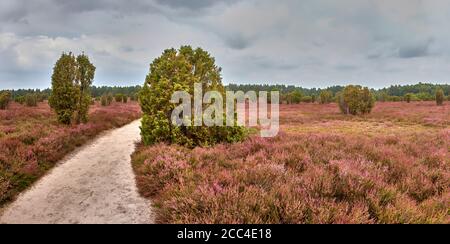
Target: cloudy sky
310,43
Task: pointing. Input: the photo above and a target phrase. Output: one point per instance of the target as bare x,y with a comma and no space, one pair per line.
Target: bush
31,100
408,97
355,99
178,70
307,99
20,99
71,80
106,100
294,97
109,98
118,97
325,97
124,99
5,98
439,97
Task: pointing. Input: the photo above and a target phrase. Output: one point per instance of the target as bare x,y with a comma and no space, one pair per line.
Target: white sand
95,184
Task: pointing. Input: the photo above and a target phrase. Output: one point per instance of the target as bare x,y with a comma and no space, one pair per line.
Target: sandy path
93,185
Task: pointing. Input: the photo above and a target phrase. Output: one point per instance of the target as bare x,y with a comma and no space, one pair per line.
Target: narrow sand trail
93,185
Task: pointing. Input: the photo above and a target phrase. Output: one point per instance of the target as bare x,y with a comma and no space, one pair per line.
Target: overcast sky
310,43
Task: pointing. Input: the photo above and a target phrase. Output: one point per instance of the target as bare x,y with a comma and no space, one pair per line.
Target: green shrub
5,98
439,97
355,100
325,97
31,100
294,97
118,97
109,98
71,79
408,97
307,99
178,70
19,99
124,99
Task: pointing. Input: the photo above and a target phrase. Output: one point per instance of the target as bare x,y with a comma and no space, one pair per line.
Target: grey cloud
414,51
319,42
193,4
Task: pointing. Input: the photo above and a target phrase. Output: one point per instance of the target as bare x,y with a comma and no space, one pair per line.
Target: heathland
389,166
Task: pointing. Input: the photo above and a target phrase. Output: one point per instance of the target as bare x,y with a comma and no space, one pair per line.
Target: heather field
32,141
390,166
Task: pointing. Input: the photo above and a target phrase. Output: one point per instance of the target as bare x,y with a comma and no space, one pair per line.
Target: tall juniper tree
71,79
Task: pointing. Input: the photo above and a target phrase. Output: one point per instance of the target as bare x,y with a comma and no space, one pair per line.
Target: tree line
395,93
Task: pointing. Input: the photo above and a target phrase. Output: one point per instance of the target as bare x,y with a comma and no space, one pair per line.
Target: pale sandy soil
93,185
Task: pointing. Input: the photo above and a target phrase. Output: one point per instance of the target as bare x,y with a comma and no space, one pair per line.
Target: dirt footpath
93,185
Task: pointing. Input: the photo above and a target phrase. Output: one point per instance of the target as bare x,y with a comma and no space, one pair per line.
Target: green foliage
71,80
179,70
109,98
325,97
408,97
134,97
31,100
355,100
5,98
124,99
98,91
85,77
19,99
307,99
118,97
440,97
294,97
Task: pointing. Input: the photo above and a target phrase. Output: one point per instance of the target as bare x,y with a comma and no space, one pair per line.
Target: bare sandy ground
95,184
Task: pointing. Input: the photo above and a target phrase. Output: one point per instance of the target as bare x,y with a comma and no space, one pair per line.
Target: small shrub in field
294,97
307,99
355,100
408,97
5,98
104,100
31,100
20,99
439,97
109,98
325,97
179,70
124,99
118,97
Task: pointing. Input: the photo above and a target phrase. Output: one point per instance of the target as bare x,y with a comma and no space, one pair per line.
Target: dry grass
31,140
391,166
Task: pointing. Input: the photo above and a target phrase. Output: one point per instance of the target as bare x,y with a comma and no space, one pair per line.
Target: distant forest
420,91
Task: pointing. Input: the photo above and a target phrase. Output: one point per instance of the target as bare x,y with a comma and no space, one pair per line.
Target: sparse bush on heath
325,97
5,98
109,98
31,100
118,97
71,79
179,70
104,100
440,97
124,98
355,100
408,97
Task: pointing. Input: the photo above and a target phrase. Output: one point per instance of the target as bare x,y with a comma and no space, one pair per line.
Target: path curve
95,184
